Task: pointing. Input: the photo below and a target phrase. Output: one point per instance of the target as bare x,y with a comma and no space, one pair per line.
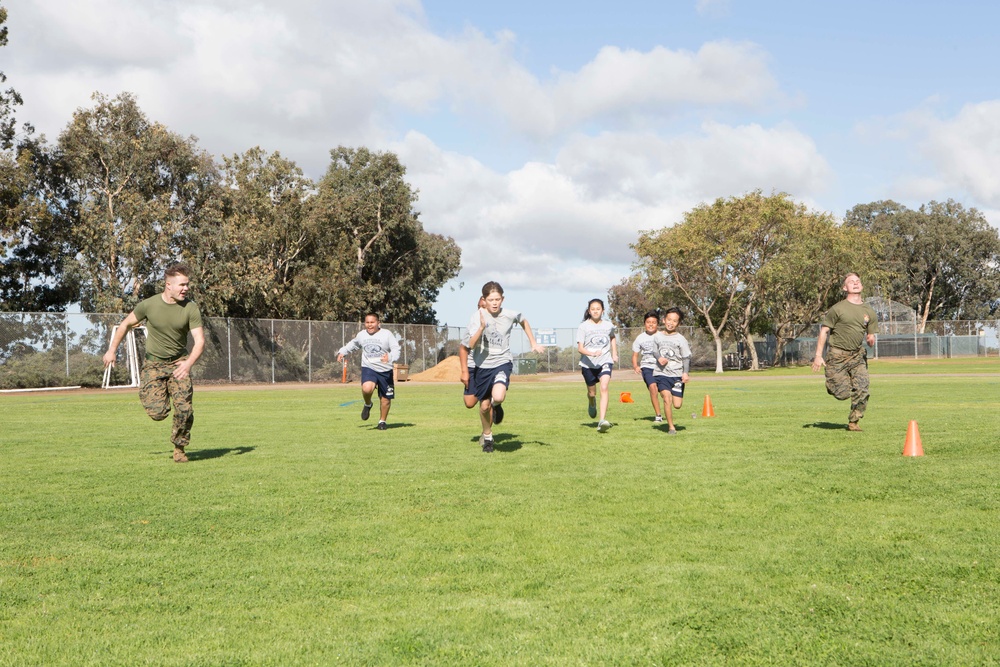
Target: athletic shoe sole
497,414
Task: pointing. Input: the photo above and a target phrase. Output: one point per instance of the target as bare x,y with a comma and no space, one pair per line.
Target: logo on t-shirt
495,338
373,350
600,341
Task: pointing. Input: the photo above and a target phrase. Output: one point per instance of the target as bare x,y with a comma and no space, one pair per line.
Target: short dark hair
675,309
375,315
177,269
655,314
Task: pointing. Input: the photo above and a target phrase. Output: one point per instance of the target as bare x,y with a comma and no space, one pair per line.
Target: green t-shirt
849,322
167,325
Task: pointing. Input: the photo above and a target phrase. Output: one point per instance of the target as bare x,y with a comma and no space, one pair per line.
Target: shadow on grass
205,454
391,425
509,442
664,428
830,426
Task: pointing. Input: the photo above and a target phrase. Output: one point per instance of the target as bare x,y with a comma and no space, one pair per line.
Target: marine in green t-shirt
166,373
167,325
848,325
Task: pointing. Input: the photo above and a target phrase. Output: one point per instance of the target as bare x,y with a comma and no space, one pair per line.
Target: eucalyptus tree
131,186
942,259
365,216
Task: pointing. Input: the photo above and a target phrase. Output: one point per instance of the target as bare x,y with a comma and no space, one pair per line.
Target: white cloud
658,83
966,149
588,205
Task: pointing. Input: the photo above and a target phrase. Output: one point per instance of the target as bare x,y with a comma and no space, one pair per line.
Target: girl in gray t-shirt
598,347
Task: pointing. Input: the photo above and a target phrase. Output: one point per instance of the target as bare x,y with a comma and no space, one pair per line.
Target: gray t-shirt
373,346
645,345
677,351
493,348
595,336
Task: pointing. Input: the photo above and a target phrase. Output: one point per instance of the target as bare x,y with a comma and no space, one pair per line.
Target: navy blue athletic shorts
386,387
593,375
481,380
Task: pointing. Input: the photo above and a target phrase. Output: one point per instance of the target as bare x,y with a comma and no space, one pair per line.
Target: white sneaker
604,426
658,419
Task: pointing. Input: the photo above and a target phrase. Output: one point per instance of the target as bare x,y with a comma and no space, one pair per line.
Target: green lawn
298,534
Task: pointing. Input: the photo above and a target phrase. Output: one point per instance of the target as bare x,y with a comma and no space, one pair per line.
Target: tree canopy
942,260
754,263
96,218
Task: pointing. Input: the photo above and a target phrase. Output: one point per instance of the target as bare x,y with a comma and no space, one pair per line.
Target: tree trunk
779,349
927,305
718,350
754,361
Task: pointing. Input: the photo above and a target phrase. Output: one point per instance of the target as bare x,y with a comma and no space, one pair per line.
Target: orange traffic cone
913,446
626,397
706,410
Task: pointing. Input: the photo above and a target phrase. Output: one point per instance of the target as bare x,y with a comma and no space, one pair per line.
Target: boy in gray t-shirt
672,365
488,343
379,350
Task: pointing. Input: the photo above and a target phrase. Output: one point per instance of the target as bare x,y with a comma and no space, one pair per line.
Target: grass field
298,534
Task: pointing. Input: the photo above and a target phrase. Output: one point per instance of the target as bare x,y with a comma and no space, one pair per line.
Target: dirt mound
449,370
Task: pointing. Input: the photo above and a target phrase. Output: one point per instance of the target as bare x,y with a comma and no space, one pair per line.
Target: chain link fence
64,349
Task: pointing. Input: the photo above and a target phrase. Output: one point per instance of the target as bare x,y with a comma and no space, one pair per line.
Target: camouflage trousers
158,389
847,377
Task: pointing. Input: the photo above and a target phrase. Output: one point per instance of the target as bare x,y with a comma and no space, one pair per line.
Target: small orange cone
626,397
913,446
706,410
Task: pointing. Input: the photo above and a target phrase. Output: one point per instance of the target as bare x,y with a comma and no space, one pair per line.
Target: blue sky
544,136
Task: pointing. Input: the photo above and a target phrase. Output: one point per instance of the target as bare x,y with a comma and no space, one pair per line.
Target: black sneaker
381,426
365,411
487,445
497,414
592,408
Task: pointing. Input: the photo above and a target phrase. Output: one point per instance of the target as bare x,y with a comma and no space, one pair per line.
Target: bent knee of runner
839,391
499,393
157,412
367,387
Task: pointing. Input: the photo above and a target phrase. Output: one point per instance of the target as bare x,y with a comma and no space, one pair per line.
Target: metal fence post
229,347
272,351
66,340
309,344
